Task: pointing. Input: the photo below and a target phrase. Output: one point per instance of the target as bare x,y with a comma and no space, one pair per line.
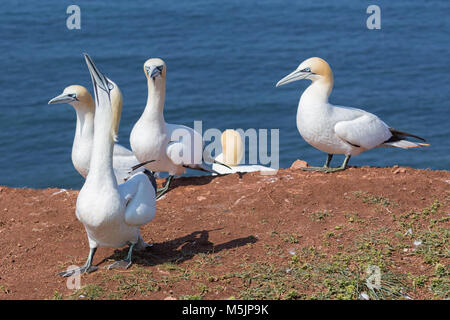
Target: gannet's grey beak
154,71
293,76
64,98
98,79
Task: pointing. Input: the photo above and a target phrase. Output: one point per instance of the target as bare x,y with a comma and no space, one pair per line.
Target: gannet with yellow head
154,139
111,214
335,129
232,154
80,98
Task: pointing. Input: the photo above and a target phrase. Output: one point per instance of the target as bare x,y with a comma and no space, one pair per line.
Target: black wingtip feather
400,135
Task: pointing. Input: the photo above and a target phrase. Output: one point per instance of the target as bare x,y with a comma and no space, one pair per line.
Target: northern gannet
232,153
172,147
80,98
111,213
335,129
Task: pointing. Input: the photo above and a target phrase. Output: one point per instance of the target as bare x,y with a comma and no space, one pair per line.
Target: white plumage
80,98
335,129
172,147
111,214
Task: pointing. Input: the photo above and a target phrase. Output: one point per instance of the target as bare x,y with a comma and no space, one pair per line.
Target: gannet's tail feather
398,140
140,165
405,144
400,135
200,167
222,164
203,167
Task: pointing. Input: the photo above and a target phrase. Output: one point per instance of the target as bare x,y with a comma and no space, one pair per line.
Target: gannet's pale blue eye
110,86
73,96
308,69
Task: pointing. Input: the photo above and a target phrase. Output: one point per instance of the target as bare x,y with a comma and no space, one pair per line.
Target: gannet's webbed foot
164,189
320,169
87,268
123,264
341,168
326,167
330,170
80,270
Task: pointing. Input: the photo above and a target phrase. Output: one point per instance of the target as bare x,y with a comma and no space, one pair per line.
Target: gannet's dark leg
326,167
164,189
342,167
125,263
88,267
327,163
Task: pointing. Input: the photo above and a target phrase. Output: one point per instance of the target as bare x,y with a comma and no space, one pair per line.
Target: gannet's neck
101,164
154,110
85,122
318,92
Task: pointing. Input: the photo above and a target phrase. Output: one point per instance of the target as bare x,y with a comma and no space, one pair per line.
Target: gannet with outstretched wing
80,98
111,214
335,129
172,147
232,153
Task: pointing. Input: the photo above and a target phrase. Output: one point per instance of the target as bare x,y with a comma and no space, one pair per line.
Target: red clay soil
235,236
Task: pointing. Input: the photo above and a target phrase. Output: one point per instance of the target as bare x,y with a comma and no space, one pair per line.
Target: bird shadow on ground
188,181
195,181
180,249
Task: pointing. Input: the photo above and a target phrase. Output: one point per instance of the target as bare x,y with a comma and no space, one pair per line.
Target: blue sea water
223,61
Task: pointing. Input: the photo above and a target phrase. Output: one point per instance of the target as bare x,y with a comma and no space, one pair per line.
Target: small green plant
89,292
3,289
295,259
433,208
418,281
292,294
57,295
291,238
191,297
373,199
320,215
203,288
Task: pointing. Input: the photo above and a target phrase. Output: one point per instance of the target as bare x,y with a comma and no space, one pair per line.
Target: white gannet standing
111,213
232,153
335,129
172,147
80,98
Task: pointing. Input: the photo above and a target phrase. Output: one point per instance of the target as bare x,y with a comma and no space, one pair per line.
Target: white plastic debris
364,296
417,243
60,191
